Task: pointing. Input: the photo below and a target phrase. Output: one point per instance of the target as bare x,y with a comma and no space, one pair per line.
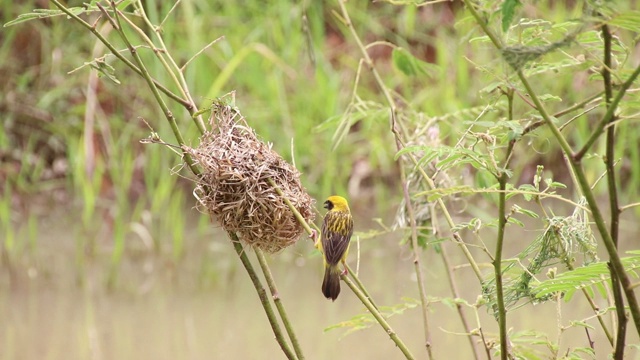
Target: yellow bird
336,234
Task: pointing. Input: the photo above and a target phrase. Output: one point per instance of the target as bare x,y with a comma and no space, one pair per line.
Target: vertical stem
502,223
618,353
264,300
182,84
399,142
416,262
117,53
456,294
575,161
276,299
497,266
117,24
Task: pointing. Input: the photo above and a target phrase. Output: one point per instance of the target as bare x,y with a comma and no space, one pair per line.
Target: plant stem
262,294
117,54
456,295
618,353
360,285
502,223
378,316
576,166
609,115
140,69
276,299
117,24
400,143
180,80
416,262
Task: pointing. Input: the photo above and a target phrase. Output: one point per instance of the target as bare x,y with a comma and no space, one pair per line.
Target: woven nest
234,187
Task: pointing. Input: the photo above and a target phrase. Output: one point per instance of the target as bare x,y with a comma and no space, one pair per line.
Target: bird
337,229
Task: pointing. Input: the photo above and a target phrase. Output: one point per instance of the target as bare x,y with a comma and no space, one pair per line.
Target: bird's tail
331,282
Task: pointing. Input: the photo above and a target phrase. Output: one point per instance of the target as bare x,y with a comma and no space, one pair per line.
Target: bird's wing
336,234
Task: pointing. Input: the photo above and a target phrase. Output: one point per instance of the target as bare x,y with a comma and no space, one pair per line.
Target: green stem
191,107
618,353
360,285
502,223
574,161
497,265
456,295
376,314
117,24
276,299
262,294
117,54
400,143
416,262
609,115
179,78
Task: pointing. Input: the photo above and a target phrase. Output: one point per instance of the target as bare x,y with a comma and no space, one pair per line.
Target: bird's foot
314,235
344,272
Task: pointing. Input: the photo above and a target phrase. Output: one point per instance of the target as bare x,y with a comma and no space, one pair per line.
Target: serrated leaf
508,11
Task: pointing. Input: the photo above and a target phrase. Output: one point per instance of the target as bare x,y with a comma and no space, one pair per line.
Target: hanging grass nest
235,188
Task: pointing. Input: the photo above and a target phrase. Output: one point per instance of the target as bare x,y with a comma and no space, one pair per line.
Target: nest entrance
234,187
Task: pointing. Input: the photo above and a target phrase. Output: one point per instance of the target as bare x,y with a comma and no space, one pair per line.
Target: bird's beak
326,205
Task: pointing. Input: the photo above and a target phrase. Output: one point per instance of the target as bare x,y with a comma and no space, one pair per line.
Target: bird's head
336,203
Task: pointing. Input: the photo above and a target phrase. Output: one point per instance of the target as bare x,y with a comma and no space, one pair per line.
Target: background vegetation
101,239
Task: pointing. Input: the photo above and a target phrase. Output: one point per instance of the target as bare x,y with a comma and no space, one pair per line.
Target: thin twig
117,24
378,316
344,17
576,166
612,187
502,223
182,83
416,262
117,54
183,67
360,285
456,295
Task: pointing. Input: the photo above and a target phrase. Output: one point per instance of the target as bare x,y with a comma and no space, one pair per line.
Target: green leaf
105,70
47,13
513,220
508,11
410,65
549,97
583,277
409,149
529,213
23,18
629,19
